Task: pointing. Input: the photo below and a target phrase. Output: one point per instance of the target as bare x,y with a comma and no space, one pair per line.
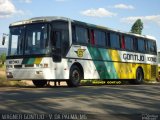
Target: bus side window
129,43
146,45
141,45
60,37
92,37
149,46
135,44
155,47
152,47
57,35
81,35
122,42
100,38
56,41
115,40
65,42
73,34
108,39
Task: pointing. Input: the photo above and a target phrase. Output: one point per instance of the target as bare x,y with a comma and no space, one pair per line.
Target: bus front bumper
35,74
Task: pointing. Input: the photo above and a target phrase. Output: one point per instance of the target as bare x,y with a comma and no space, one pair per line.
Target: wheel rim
75,76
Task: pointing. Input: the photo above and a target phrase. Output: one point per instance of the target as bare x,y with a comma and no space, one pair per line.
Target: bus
54,48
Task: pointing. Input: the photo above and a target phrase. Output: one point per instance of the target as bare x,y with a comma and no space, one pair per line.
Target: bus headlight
45,65
9,75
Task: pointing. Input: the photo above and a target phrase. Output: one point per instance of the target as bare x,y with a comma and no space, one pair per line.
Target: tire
139,76
75,77
39,83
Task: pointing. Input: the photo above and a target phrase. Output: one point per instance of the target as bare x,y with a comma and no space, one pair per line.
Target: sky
115,14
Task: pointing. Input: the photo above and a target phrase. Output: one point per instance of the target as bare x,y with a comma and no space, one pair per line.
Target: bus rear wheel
75,77
39,83
139,76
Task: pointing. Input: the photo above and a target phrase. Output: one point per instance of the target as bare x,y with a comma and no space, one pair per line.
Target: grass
2,67
5,83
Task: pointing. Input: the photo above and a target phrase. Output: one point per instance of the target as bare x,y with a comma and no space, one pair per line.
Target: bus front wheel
39,83
75,77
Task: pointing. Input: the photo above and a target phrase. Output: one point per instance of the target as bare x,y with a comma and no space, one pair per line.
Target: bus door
56,45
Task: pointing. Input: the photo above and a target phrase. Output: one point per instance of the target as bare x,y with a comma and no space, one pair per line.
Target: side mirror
3,40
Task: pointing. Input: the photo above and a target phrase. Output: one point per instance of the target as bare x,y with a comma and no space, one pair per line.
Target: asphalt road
99,102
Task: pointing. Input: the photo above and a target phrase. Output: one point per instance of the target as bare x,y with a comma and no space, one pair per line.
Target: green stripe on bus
31,61
106,70
28,61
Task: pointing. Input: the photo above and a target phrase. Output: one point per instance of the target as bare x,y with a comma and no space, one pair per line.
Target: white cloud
152,18
8,9
26,1
123,6
100,12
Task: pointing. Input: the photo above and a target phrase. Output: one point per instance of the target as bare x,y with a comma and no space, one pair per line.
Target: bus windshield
29,40
16,41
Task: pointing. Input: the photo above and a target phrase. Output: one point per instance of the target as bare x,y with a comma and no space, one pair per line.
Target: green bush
3,57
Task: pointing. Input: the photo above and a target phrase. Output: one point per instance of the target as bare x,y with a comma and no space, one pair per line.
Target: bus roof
39,19
52,18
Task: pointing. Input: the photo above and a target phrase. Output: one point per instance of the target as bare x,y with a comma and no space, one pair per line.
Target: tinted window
114,40
108,39
155,47
61,34
100,38
57,38
92,38
129,42
123,42
141,45
81,35
152,46
36,39
135,44
16,40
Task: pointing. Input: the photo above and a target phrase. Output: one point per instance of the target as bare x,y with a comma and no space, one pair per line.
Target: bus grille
153,71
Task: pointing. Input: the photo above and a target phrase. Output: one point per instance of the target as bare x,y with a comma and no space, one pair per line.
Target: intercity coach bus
45,49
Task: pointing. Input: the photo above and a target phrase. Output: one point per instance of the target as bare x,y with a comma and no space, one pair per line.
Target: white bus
56,48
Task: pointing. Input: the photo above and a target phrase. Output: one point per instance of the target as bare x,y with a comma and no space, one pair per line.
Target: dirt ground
2,73
121,102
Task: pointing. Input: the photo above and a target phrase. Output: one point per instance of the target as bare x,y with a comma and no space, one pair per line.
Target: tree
3,58
137,27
